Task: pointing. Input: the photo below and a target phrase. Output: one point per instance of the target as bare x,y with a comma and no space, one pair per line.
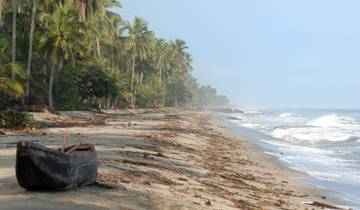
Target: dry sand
157,159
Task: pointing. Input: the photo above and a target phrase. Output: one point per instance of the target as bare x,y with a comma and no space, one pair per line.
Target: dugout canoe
42,168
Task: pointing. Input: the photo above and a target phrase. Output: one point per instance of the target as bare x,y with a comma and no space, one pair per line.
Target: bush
83,86
12,118
150,95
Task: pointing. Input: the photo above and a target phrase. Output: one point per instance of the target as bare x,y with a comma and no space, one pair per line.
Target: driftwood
73,148
321,205
41,168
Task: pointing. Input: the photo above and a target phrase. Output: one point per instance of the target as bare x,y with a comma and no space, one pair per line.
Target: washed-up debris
321,205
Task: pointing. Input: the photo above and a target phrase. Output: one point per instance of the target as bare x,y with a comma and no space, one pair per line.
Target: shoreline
292,176
162,159
302,178
263,141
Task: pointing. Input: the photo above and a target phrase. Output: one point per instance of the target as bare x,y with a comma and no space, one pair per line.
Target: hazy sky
266,53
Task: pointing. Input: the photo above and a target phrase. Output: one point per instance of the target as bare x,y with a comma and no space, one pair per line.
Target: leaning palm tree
31,38
61,37
139,44
7,84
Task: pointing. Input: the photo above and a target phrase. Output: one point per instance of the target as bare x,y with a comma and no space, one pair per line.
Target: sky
266,53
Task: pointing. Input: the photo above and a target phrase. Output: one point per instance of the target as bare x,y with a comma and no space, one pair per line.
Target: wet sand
157,159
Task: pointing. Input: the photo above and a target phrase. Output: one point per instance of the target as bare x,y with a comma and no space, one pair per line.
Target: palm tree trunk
31,38
2,4
51,83
45,71
98,46
160,75
82,11
141,77
132,83
13,50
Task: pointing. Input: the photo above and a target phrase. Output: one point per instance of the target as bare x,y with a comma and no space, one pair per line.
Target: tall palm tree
179,53
97,14
115,40
13,51
162,61
31,38
61,37
139,43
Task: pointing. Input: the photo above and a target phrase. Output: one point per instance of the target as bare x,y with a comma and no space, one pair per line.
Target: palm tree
8,85
62,35
13,51
161,54
31,38
179,53
139,44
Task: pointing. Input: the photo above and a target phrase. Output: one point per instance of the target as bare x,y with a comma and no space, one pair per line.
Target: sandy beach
157,159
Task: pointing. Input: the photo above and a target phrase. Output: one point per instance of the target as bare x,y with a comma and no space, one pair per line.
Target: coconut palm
139,43
30,55
115,40
179,53
61,37
162,57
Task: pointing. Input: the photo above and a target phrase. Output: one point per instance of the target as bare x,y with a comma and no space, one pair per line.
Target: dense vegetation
78,54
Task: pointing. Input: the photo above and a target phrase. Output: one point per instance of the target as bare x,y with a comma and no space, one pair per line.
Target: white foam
254,112
325,128
335,121
250,125
288,115
314,134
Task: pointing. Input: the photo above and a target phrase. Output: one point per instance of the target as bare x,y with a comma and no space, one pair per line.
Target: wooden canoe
41,168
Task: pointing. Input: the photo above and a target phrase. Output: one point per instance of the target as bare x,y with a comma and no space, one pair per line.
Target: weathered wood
321,205
41,168
74,148
66,138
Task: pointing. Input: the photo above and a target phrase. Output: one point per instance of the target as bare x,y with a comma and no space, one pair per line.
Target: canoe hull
41,168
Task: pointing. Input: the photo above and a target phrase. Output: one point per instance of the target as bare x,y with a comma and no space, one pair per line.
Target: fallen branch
74,148
322,205
104,185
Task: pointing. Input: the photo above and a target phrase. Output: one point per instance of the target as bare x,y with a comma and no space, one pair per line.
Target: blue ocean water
322,143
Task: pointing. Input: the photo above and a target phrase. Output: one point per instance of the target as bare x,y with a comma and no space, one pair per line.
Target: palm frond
11,87
15,67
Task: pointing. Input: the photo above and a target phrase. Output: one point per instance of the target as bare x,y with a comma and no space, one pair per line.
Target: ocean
322,143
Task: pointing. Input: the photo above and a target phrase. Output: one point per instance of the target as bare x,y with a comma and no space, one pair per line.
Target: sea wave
250,125
314,134
288,115
335,121
252,112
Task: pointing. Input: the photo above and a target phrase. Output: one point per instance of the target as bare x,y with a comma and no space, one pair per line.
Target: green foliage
177,94
206,96
8,85
151,94
4,101
85,56
82,85
12,118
